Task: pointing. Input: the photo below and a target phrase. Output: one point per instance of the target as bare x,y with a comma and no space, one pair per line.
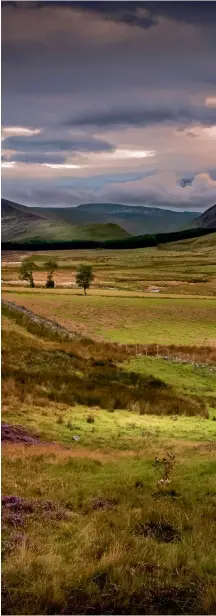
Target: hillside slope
136,220
20,223
204,244
207,220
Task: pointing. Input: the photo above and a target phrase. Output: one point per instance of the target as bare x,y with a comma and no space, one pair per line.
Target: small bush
50,284
90,419
167,466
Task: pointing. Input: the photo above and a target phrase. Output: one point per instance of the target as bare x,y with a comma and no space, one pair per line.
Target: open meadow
185,267
125,319
92,522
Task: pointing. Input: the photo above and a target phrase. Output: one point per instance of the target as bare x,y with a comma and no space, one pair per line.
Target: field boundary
54,326
199,357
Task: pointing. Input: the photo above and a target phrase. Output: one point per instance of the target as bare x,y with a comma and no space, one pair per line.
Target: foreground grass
143,320
98,558
95,533
118,431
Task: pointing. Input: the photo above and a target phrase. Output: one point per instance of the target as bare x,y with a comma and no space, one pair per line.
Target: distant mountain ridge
135,220
95,221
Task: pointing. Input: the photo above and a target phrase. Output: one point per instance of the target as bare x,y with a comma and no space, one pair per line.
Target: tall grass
120,549
111,542
83,371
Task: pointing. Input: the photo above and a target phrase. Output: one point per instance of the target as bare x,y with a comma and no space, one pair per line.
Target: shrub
90,419
167,466
50,284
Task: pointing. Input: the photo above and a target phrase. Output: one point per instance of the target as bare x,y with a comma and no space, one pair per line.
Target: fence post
146,351
157,350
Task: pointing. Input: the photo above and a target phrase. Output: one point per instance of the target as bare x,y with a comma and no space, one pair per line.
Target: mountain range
92,221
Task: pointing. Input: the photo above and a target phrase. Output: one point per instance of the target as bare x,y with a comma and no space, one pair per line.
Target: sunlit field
187,267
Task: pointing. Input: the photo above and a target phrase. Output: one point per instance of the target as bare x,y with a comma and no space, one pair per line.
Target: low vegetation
181,322
84,372
109,458
88,524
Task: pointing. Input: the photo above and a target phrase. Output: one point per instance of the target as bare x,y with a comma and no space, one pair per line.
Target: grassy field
187,267
92,531
142,320
188,379
88,526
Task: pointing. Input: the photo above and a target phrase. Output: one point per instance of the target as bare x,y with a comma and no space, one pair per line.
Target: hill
20,223
95,222
204,244
136,220
207,220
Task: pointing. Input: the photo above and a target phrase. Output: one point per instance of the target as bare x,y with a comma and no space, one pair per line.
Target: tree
51,267
26,272
84,276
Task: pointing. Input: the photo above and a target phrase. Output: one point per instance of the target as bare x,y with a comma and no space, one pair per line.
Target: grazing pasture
143,320
186,267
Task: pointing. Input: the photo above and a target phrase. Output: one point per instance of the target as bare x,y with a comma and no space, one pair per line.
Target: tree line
138,241
84,274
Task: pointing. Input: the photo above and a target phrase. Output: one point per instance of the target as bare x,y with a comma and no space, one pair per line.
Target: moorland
108,447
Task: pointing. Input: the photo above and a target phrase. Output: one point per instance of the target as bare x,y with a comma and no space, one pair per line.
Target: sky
109,102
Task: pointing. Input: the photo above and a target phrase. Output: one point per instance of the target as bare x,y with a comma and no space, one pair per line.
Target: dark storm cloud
35,158
38,143
146,116
183,182
197,13
201,13
115,60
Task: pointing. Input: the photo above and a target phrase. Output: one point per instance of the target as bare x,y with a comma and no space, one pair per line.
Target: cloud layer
112,101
